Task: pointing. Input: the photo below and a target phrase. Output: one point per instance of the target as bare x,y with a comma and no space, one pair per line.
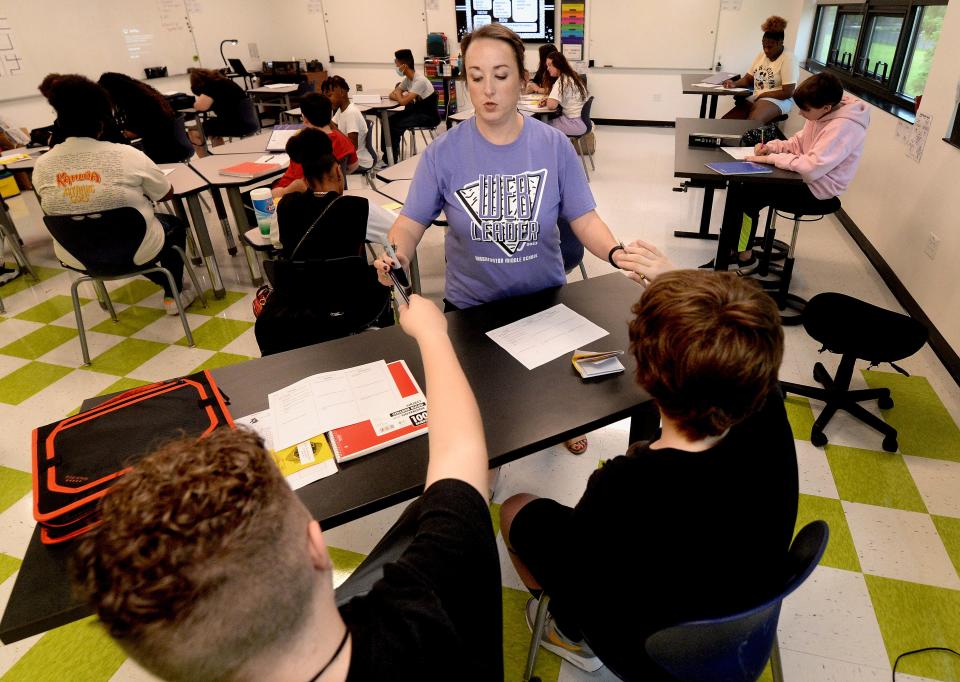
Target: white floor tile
831,615
169,328
69,354
172,361
13,329
241,310
92,313
9,364
938,482
815,475
553,472
508,574
16,527
245,344
803,667
65,395
898,544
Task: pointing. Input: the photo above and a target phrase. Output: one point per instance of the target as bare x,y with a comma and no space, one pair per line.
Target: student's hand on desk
383,265
760,159
729,84
421,318
643,262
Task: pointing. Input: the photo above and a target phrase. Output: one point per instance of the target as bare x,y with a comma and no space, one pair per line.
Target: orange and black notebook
249,169
404,423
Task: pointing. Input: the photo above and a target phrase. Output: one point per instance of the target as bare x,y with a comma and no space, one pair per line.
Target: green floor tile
913,616
14,484
874,477
800,416
52,309
495,517
925,428
222,360
39,342
29,380
134,291
949,529
516,641
216,333
126,356
215,306
345,562
8,566
129,321
121,385
841,552
79,651
24,281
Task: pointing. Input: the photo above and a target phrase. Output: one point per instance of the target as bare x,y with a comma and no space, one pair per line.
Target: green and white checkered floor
889,582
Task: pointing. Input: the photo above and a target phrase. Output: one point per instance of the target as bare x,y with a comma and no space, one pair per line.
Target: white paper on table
712,86
739,153
261,423
274,86
365,98
718,78
329,400
540,338
167,171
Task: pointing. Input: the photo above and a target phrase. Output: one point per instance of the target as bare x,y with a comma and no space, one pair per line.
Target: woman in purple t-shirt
503,181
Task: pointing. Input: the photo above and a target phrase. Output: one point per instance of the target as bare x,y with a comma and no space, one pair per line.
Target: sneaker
576,653
187,296
6,274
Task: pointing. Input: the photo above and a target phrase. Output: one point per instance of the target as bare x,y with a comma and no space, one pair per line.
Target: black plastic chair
105,243
318,300
736,648
576,139
428,106
855,329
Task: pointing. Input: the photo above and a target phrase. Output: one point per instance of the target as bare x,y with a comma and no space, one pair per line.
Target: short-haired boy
693,524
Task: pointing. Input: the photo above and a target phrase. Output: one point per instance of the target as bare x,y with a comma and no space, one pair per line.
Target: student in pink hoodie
825,152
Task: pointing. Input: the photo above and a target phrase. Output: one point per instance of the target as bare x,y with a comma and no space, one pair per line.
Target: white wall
897,202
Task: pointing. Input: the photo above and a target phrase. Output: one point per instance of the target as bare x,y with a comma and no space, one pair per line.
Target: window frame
853,74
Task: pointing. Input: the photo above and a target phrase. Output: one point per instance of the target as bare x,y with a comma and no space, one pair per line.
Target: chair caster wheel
890,444
820,374
817,438
233,251
885,403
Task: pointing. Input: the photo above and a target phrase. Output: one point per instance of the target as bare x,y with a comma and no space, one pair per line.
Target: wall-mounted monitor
532,20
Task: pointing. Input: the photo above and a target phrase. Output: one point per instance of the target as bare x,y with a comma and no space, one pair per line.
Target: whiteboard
679,34
370,31
38,37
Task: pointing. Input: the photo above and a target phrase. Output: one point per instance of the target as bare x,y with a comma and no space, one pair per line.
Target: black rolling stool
775,277
855,329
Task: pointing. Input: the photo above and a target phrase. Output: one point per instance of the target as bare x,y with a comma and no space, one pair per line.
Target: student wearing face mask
773,77
415,93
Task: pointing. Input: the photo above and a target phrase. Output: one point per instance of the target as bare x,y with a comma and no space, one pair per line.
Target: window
881,49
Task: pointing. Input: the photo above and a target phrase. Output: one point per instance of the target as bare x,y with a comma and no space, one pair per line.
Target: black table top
523,411
690,162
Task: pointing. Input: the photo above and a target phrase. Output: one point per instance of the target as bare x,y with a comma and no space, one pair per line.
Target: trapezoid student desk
690,162
689,86
523,411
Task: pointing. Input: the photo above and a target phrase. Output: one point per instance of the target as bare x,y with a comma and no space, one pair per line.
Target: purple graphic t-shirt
502,203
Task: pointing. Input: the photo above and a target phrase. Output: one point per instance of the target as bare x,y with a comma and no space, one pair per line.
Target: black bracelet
618,247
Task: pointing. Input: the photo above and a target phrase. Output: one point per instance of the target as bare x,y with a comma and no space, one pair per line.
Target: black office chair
776,277
736,648
855,329
319,300
577,139
732,648
105,243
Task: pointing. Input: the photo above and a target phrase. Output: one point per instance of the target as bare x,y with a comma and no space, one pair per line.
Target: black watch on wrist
618,247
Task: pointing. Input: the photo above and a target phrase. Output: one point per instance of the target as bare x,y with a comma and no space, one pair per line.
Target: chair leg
2,309
592,165
104,297
193,276
576,142
536,636
79,316
9,231
176,299
583,270
776,668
